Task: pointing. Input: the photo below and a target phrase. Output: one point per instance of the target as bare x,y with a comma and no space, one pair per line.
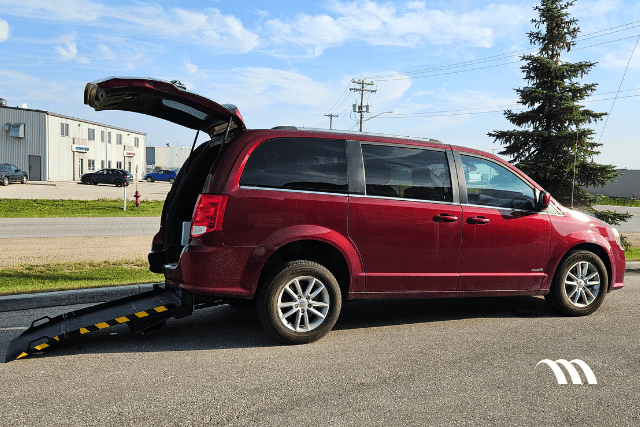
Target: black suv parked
119,177
10,173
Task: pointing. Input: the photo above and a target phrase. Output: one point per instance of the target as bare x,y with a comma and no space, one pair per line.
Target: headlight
617,234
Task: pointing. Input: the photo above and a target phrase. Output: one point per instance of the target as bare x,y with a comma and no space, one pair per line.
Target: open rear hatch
171,101
165,100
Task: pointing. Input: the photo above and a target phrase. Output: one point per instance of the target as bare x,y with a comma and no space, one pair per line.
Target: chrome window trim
400,199
510,209
400,145
288,190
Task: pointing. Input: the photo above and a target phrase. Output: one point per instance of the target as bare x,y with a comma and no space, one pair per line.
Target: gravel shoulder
65,249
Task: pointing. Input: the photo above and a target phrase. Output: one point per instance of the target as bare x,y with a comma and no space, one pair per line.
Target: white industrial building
53,147
168,157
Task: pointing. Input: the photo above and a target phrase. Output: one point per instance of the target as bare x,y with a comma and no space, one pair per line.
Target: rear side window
408,173
298,164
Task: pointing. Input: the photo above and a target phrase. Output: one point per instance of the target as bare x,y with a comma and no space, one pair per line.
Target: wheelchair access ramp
142,312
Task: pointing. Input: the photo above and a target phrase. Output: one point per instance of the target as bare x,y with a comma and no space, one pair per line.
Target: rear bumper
219,271
618,265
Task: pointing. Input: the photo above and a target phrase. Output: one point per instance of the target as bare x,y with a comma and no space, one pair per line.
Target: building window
101,136
109,164
119,139
64,129
118,165
109,137
91,134
136,141
101,164
91,165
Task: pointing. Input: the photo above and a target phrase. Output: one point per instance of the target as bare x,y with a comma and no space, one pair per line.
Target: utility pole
331,116
361,108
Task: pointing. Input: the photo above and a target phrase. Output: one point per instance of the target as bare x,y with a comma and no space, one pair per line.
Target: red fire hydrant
137,196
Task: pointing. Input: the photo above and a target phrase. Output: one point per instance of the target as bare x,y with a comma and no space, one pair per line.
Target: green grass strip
632,254
45,208
618,201
74,275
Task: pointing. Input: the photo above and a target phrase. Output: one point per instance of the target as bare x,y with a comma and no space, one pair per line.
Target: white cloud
4,30
25,87
105,52
207,27
411,25
71,51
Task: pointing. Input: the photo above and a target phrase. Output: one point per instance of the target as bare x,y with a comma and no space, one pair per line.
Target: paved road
77,191
387,363
77,227
633,225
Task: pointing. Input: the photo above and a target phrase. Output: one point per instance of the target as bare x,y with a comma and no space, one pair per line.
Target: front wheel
301,303
171,180
24,179
579,286
149,179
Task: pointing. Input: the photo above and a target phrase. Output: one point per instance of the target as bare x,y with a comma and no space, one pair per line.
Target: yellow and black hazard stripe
96,327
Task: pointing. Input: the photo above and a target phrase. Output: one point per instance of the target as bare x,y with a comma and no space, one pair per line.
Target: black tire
118,183
171,180
242,304
149,179
292,328
88,181
24,179
4,181
585,296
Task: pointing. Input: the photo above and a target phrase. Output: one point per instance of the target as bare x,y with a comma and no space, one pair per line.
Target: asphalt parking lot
77,191
447,362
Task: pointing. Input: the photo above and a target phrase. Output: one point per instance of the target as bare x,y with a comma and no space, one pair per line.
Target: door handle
478,220
443,217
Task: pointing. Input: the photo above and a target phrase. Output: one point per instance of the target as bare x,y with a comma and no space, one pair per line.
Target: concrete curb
79,296
96,295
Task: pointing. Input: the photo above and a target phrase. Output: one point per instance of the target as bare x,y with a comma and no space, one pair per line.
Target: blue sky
290,62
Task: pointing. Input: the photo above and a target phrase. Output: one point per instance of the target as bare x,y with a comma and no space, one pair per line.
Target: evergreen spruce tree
555,124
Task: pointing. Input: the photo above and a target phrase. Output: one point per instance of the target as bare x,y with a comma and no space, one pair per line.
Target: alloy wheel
303,304
582,284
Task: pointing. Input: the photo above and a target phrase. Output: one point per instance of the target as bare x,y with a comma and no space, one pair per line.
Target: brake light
208,214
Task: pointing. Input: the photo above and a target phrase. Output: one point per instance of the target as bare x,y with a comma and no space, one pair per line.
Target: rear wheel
118,183
149,179
579,285
24,179
88,181
301,303
171,180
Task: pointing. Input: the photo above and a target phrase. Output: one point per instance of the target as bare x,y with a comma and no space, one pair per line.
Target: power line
362,89
616,97
504,55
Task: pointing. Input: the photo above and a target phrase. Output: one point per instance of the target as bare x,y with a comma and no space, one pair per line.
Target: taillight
208,214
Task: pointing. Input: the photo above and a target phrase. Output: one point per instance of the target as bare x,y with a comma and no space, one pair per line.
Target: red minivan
296,221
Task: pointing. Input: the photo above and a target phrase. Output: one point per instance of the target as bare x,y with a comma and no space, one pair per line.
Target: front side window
408,173
491,184
298,164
